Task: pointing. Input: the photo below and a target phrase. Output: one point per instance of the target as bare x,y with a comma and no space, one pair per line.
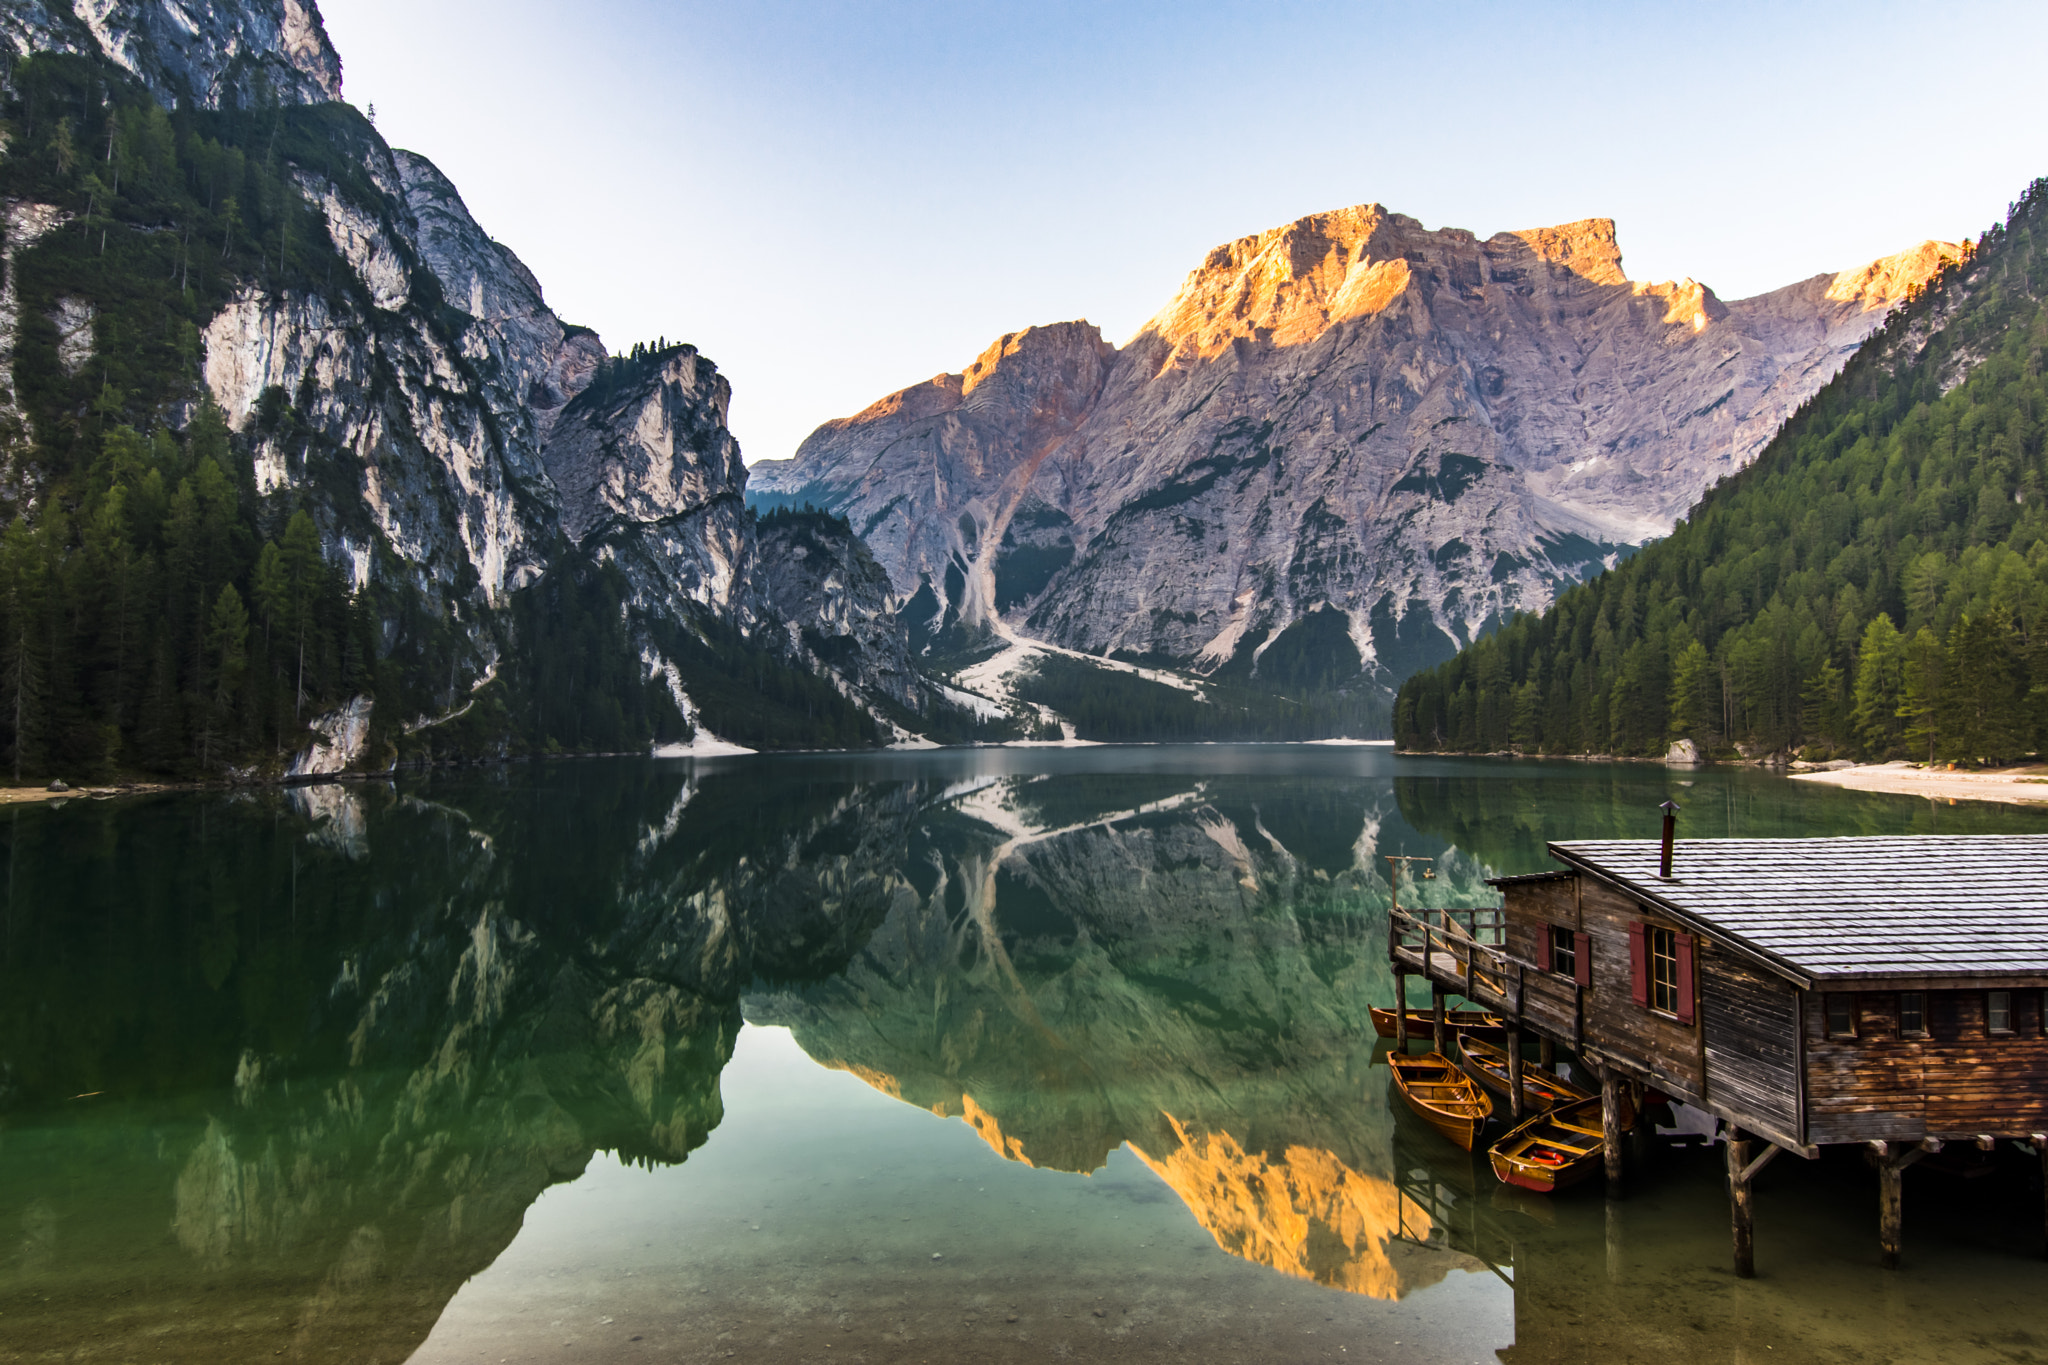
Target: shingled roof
1956,905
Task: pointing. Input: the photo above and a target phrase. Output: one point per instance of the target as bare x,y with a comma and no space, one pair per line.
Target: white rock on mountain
1421,429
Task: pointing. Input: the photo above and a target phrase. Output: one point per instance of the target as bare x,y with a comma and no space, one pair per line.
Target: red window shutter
1684,978
1638,964
1543,933
1582,958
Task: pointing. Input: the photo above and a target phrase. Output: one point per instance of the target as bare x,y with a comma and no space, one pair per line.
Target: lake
1003,1054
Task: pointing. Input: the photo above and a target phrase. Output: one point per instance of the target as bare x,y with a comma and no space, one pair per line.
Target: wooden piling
1546,1054
1610,1127
2040,1141
1515,1072
1741,1204
1890,1209
1401,1010
1443,1040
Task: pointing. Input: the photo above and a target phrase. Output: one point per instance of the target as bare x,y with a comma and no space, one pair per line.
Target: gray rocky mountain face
453,437
1421,429
216,53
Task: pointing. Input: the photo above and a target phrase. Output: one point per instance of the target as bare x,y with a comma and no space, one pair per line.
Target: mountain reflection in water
280,1071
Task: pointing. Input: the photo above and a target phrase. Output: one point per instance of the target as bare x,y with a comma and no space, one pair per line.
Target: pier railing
1465,949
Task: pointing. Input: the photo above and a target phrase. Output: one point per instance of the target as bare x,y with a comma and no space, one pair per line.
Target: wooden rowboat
1479,1023
1552,1150
1444,1097
1541,1089
1488,1065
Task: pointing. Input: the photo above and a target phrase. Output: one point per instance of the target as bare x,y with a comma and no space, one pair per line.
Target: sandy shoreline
2014,786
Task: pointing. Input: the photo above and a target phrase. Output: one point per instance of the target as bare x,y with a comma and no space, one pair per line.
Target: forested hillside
1875,585
159,612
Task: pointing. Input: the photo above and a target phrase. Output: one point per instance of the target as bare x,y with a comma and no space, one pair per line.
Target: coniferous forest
1874,586
157,615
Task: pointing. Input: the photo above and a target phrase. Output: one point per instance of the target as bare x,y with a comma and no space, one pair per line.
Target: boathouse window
1912,1014
1660,969
1841,1015
1998,1011
1663,970
1564,951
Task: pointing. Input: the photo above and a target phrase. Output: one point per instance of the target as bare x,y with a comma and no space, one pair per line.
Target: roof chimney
1670,809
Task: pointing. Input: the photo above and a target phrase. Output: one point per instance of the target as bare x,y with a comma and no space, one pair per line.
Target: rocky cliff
1422,429
387,368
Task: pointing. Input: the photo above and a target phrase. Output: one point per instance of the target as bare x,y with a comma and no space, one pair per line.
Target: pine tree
1880,686
1920,706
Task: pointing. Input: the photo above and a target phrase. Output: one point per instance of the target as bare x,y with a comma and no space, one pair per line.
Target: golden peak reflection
1305,1213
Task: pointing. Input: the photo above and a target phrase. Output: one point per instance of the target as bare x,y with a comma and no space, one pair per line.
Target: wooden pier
1884,992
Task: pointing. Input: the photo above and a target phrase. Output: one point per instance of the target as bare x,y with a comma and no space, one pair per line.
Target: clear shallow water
597,1061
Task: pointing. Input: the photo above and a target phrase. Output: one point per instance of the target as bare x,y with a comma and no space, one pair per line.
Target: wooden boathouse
1886,992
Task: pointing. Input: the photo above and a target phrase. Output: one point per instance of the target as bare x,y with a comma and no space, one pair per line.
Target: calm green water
1006,1055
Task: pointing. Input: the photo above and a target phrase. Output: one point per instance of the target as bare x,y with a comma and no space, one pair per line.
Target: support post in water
1401,1010
1436,992
1515,1072
2040,1141
1892,1161
1546,1054
1610,1127
1891,1214
1741,1204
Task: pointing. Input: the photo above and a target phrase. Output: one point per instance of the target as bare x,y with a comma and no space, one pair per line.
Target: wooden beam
1892,1161
2040,1141
1546,1053
1400,1009
1515,1072
1891,1215
1442,1037
1764,1159
1742,1201
1610,1127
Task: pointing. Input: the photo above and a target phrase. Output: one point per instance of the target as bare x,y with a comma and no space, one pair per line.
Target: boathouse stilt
1515,1072
1741,1204
1401,1010
1610,1127
1442,1029
1742,1198
2040,1141
1892,1161
1891,1211
1546,1054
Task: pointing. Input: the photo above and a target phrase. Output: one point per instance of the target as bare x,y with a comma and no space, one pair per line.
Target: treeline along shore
1874,587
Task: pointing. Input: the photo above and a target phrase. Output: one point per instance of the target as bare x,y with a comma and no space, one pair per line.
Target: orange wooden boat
1479,1023
1444,1097
1554,1149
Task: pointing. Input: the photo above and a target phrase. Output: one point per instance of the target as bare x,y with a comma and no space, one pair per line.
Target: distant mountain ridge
1421,430
1874,586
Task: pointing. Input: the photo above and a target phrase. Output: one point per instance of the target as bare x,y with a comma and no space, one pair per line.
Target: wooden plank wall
1956,1082
1550,1001
1650,1043
1751,1020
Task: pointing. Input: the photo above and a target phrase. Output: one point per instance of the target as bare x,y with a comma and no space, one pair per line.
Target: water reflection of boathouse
1881,992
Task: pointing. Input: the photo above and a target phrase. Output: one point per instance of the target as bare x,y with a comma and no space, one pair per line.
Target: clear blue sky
835,200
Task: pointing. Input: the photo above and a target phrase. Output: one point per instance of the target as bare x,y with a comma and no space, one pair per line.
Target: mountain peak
1587,248
1289,285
